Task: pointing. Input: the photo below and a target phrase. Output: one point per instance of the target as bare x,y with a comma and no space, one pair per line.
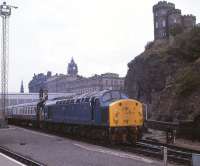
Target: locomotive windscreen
113,96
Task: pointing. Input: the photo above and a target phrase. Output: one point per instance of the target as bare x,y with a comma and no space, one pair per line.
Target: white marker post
164,156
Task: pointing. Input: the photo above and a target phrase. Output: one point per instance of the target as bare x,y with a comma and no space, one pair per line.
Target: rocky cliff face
166,76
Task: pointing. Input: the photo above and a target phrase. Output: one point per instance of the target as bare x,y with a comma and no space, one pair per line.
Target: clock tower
72,69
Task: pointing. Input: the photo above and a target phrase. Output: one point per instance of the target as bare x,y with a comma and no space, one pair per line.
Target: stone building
74,83
166,16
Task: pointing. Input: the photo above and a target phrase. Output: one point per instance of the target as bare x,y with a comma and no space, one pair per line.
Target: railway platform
7,161
52,150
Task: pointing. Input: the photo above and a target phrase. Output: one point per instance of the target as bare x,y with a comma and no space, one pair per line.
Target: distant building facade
166,16
73,83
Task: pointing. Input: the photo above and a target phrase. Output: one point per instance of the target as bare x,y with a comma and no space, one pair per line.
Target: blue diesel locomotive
107,114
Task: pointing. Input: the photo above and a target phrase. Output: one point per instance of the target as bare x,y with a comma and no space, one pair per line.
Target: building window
106,82
164,23
156,24
175,21
164,34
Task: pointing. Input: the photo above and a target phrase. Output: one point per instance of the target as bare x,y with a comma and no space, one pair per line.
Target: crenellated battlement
163,4
189,16
174,11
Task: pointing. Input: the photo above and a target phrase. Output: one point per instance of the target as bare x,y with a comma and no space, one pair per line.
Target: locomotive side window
71,101
87,99
78,100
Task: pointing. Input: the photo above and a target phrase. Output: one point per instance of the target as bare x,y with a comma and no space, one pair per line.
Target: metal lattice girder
5,12
4,64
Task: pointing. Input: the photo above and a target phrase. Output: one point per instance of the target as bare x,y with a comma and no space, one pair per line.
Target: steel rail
20,158
174,147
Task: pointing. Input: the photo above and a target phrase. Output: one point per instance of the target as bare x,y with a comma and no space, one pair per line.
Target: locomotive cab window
111,96
106,97
78,100
116,95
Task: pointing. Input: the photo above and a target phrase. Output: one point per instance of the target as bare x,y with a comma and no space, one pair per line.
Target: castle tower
174,18
22,87
189,21
160,14
72,69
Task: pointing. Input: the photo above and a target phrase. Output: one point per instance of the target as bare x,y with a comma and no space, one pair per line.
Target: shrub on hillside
187,82
187,45
176,29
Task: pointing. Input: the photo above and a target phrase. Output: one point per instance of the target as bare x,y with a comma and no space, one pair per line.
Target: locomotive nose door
92,104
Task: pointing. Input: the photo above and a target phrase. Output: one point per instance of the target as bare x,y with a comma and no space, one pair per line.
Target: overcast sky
101,35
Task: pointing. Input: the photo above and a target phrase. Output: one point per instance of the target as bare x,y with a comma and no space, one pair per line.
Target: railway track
178,148
20,158
174,154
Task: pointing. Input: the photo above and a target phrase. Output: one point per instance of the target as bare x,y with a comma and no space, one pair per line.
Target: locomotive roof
87,96
91,94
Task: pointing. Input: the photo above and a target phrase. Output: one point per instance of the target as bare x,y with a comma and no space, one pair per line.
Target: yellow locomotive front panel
125,112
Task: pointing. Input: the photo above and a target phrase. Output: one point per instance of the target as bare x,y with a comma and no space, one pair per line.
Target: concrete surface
57,151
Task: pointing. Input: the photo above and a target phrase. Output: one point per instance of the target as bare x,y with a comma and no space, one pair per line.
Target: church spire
22,87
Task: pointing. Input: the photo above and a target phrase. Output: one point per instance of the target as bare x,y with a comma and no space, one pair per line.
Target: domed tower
160,13
72,69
